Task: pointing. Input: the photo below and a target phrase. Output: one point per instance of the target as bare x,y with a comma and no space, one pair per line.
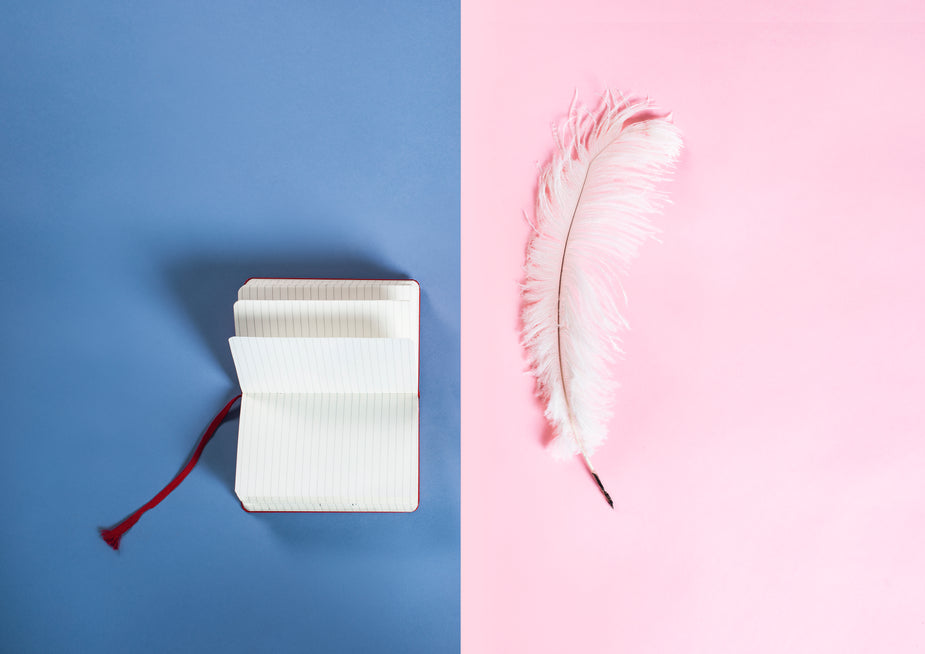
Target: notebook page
325,365
349,315
328,452
325,318
328,289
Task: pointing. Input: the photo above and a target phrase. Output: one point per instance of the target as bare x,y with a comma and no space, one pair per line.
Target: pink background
767,457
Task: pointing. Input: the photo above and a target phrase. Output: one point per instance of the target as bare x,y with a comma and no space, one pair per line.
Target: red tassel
113,535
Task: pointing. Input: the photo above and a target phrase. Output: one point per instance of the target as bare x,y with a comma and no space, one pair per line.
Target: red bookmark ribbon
113,535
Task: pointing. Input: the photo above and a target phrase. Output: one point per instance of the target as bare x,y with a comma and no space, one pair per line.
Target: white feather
593,210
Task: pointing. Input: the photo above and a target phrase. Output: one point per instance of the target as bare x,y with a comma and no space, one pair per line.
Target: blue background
152,157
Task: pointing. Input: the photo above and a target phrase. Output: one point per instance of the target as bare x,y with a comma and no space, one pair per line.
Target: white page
345,313
326,318
324,365
329,289
328,452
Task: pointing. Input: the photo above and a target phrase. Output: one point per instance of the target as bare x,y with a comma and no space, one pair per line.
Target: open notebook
329,375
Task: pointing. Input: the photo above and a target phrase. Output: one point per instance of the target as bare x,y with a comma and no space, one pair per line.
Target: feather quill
594,204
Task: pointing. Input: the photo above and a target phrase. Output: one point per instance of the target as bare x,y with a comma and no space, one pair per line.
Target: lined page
328,289
325,365
328,452
325,319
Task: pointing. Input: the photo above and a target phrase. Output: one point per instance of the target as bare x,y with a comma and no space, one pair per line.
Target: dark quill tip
603,490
